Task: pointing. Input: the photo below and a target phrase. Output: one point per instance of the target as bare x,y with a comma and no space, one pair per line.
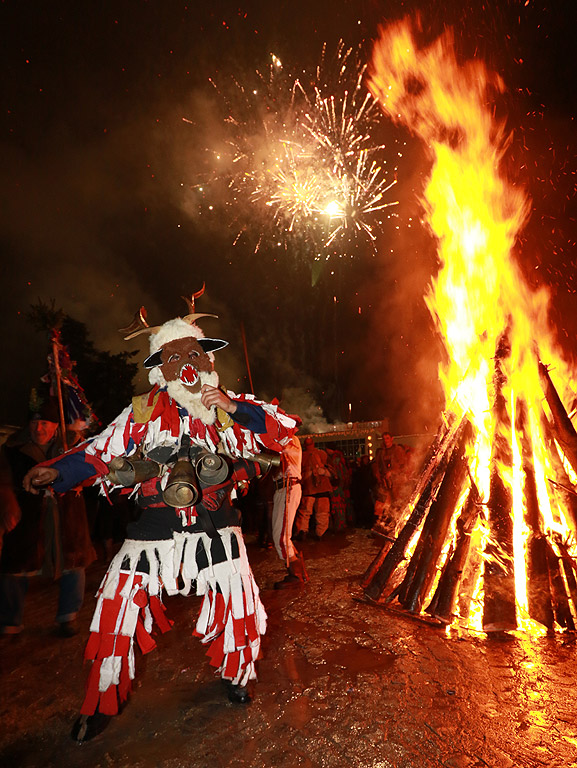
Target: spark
299,160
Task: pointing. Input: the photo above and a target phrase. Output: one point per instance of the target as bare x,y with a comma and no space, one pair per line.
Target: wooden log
375,564
569,568
563,488
396,553
432,460
533,516
561,608
401,590
563,429
431,608
499,612
539,598
442,606
466,604
434,534
442,445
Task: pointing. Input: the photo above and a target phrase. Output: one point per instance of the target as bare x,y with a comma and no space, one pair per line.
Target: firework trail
299,160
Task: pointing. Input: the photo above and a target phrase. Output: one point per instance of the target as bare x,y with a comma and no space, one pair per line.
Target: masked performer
184,445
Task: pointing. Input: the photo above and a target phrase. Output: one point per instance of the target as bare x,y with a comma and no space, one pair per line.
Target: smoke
400,352
300,401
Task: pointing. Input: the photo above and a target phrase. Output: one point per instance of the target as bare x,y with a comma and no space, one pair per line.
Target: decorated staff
189,531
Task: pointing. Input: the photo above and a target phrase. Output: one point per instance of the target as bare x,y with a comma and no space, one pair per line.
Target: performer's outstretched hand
38,477
213,396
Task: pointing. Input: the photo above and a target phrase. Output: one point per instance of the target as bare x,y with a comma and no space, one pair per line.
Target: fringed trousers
231,622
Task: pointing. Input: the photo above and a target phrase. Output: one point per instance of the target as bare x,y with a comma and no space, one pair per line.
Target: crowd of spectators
340,492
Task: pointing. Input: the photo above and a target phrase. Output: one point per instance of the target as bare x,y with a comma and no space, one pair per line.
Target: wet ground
342,683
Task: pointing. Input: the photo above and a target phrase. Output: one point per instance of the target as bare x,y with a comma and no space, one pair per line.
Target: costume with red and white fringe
168,549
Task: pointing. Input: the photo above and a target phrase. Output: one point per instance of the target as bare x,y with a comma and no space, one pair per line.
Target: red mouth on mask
188,375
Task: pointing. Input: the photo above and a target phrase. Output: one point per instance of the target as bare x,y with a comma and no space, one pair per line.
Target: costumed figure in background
316,492
286,499
46,534
63,385
390,468
183,446
340,494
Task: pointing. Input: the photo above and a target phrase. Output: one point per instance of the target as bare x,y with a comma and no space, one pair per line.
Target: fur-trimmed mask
181,359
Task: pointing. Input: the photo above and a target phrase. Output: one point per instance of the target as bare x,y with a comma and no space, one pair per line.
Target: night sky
98,166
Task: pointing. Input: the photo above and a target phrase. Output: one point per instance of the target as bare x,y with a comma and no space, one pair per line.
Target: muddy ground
341,684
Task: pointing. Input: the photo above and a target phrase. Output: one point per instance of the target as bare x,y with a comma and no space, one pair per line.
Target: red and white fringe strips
232,618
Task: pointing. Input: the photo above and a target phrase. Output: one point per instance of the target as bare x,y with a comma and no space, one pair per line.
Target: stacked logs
432,567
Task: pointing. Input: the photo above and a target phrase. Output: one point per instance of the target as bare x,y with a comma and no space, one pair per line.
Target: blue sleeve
250,416
72,470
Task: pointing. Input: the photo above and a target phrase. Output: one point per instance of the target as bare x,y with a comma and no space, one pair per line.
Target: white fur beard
191,401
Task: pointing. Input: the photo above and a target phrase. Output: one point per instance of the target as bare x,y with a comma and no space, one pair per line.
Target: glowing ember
495,331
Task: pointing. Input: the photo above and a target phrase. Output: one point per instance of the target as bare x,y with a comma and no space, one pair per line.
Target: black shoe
238,694
300,536
89,726
316,536
67,629
290,580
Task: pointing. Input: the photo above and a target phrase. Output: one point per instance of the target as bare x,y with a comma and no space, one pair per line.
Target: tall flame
494,327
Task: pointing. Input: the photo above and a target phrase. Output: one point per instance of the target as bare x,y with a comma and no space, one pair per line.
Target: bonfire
487,540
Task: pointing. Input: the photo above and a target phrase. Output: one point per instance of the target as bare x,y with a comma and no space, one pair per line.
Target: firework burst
299,160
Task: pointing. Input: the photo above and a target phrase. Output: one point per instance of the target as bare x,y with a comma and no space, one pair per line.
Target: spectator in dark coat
46,534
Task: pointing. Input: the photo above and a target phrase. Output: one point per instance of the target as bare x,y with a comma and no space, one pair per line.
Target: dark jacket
47,532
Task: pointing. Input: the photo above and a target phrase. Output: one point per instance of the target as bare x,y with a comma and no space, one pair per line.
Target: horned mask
180,357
